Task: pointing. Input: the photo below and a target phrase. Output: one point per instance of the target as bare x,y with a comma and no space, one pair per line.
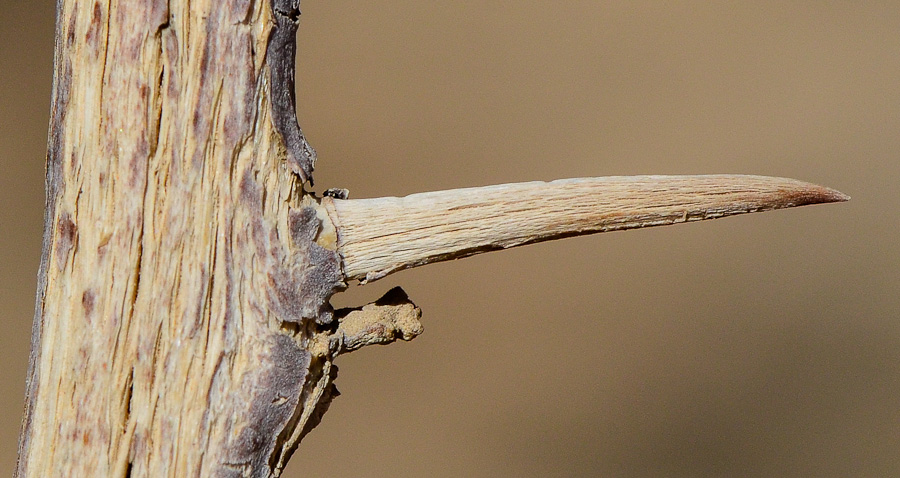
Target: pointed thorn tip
832,195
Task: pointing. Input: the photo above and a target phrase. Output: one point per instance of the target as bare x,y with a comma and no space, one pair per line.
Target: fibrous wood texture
181,285
182,324
383,235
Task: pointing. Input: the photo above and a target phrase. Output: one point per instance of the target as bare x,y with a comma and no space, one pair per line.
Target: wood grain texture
380,236
181,284
182,323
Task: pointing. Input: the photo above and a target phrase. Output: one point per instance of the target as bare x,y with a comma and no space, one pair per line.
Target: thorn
376,237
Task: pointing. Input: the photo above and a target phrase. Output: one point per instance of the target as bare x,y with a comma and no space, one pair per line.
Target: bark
182,322
181,289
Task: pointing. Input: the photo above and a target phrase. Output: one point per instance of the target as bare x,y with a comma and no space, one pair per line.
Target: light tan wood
380,236
180,287
182,323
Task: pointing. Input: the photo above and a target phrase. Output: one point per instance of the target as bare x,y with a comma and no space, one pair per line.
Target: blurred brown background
765,345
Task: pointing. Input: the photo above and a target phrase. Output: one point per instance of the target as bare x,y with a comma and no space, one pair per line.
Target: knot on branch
393,316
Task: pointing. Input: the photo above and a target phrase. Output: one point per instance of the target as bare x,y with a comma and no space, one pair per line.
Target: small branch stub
378,236
391,317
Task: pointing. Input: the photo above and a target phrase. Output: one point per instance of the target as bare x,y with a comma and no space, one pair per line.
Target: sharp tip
827,195
839,196
801,193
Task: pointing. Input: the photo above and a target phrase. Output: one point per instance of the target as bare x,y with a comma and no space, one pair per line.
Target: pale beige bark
182,324
180,286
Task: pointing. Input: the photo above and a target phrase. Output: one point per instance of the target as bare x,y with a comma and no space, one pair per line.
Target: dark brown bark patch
93,32
275,397
280,58
66,234
88,298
